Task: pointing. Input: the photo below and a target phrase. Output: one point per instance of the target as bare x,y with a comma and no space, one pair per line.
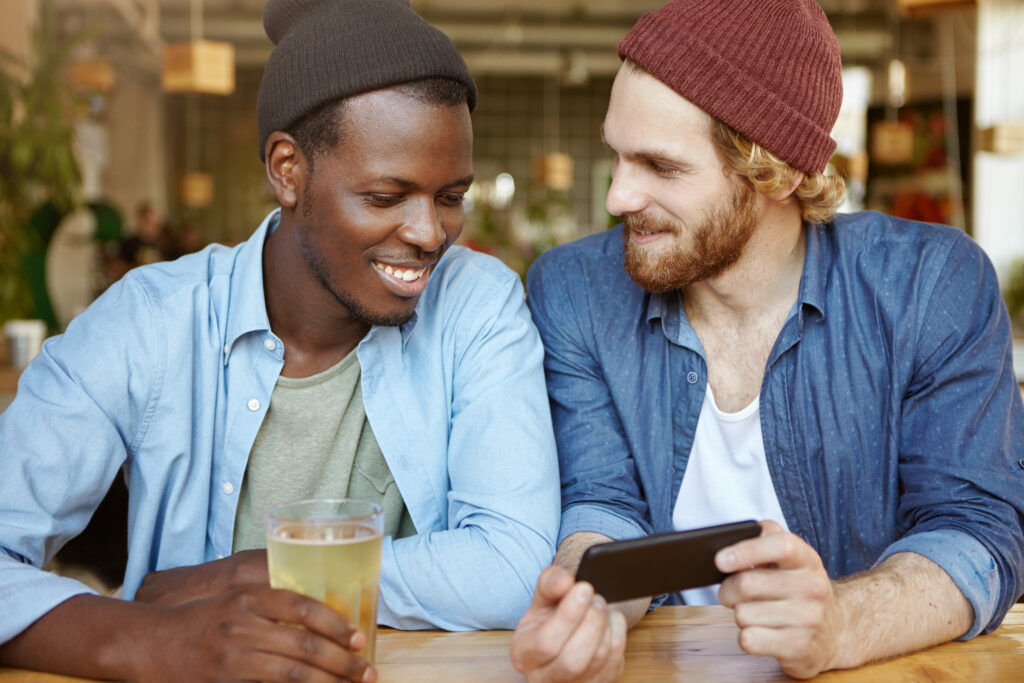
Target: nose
625,195
423,227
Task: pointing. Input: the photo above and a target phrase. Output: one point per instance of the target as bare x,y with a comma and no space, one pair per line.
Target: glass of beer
329,549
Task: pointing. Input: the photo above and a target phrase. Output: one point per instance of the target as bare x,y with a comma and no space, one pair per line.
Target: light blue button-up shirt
168,376
890,413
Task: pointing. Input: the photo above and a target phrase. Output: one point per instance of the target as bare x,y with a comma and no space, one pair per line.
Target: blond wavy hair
818,195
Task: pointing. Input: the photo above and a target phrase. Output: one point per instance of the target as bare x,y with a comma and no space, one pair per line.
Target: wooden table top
672,643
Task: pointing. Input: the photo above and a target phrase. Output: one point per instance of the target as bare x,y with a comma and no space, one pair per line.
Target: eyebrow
659,154
467,181
405,184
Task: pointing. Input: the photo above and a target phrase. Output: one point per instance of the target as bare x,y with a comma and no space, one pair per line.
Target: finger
549,638
579,651
794,648
806,585
553,584
609,665
784,550
265,666
293,608
767,614
301,645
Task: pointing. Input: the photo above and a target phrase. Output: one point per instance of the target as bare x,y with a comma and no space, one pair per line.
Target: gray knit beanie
326,50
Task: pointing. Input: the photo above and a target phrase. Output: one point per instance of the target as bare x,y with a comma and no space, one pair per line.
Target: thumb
553,584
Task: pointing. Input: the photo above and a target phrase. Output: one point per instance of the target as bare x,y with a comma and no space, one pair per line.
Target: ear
798,177
286,168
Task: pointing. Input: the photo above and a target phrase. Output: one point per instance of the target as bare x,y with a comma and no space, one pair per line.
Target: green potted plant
1013,294
37,163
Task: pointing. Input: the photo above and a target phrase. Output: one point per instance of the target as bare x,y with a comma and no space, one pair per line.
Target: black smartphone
662,563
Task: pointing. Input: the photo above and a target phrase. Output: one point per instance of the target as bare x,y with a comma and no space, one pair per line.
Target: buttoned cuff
597,519
967,562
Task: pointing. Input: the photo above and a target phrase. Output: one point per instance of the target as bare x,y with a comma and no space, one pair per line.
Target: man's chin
649,269
390,319
650,281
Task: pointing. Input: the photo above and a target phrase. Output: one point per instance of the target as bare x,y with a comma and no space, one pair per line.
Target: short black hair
321,130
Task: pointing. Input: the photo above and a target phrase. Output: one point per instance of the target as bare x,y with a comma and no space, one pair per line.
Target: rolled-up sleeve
962,441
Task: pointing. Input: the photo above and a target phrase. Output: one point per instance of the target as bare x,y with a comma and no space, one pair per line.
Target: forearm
904,604
86,636
569,554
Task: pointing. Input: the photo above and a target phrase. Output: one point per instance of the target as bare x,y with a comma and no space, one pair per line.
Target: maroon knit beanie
770,69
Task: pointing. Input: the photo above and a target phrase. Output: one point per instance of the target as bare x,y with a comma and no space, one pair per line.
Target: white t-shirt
726,479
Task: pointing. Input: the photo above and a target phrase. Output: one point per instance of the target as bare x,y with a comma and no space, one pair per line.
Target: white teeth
406,275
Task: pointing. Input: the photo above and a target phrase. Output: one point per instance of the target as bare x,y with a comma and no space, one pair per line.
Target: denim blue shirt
168,376
890,413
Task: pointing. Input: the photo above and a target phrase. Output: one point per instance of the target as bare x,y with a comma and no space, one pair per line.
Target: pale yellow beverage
329,557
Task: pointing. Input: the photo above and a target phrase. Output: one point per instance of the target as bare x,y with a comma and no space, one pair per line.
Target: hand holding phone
662,563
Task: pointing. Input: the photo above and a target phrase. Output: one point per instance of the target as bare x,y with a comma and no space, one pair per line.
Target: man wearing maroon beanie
738,350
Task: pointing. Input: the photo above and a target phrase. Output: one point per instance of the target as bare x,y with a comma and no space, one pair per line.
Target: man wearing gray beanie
738,350
347,349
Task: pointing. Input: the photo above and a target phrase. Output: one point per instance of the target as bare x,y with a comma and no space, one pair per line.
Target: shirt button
269,344
227,349
219,556
228,488
691,377
254,404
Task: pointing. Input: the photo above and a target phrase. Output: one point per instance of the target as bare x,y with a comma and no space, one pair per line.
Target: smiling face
384,204
687,218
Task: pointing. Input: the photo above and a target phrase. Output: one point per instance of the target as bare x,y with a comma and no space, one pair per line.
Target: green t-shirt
315,442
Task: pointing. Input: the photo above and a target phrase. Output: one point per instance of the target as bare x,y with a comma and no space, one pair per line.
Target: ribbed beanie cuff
326,50
770,69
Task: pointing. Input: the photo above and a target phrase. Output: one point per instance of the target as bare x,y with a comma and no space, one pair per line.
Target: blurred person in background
347,349
736,350
148,243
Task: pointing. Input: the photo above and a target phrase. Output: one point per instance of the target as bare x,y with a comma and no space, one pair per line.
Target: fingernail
357,641
369,675
599,602
583,592
726,561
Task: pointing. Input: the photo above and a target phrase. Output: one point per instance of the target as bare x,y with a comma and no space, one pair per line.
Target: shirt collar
247,306
668,310
817,266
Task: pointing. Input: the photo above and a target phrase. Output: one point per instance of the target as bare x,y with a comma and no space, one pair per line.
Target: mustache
642,222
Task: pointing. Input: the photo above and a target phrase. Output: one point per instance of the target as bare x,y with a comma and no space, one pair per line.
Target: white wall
999,180
137,166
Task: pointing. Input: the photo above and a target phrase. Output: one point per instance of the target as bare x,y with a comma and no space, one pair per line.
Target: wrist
125,652
856,620
248,568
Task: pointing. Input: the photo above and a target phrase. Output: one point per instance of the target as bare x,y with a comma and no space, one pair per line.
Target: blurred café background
128,131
